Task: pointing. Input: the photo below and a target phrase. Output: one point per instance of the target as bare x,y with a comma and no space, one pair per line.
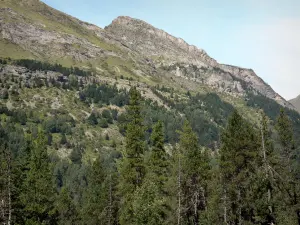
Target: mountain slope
167,50
296,102
130,47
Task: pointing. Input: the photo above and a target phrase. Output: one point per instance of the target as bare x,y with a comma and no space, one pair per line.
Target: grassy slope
40,101
37,12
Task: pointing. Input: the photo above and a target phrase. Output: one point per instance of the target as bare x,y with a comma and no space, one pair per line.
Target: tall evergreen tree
131,167
38,190
65,207
195,170
239,152
158,164
6,180
264,186
96,196
150,200
289,171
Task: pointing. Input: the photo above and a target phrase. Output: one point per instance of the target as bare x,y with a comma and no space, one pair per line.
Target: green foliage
107,115
43,66
37,192
272,109
131,166
103,123
150,199
104,94
92,119
195,171
206,113
65,208
158,164
95,210
239,155
148,205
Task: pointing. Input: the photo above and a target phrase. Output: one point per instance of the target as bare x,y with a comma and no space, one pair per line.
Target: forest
252,178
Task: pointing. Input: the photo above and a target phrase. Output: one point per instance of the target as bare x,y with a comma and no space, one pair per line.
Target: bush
107,115
92,119
103,123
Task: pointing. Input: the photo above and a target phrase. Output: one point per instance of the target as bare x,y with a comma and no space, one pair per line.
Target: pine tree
38,191
265,185
239,153
150,200
195,170
289,172
6,180
65,208
286,139
158,164
96,197
131,166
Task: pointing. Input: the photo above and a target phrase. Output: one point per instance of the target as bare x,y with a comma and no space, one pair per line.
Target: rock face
194,63
150,41
54,36
296,102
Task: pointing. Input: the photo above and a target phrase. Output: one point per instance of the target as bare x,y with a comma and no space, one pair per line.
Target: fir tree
195,168
289,171
131,166
265,185
94,210
150,200
238,163
65,208
6,180
38,191
158,164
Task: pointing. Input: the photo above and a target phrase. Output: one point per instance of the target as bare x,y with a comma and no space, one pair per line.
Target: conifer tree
96,196
158,164
131,166
195,170
239,152
289,172
264,186
65,208
38,191
150,200
6,180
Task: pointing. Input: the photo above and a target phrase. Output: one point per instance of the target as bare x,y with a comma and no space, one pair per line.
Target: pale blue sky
260,34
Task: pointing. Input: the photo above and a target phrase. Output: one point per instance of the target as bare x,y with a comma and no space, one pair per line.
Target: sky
263,35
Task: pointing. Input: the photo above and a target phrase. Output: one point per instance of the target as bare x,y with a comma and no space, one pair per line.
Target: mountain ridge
156,40
127,45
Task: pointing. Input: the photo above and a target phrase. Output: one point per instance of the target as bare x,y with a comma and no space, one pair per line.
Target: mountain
296,102
132,47
107,126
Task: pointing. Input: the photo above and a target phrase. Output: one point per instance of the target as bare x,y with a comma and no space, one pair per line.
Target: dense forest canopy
199,161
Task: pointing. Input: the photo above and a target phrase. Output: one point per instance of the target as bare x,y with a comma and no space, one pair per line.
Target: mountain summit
189,60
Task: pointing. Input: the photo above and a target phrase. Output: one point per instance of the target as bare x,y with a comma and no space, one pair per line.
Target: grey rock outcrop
296,102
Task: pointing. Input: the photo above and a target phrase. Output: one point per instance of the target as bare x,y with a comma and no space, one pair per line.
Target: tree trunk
179,191
9,189
239,208
196,203
110,201
298,216
225,207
